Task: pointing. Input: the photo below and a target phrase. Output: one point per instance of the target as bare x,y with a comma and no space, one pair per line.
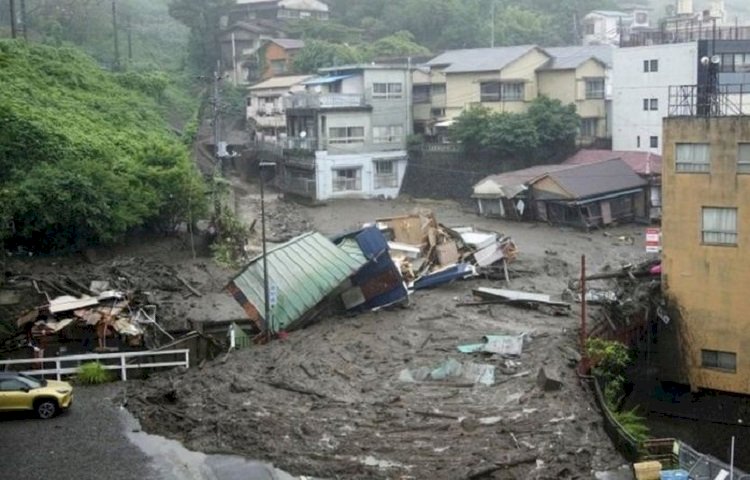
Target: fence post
123,369
57,368
187,358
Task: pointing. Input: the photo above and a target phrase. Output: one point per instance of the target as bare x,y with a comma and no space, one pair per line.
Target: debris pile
630,295
371,268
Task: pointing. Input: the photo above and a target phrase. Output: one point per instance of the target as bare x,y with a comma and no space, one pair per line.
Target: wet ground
97,439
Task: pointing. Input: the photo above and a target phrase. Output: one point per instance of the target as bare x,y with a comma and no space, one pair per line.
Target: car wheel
46,409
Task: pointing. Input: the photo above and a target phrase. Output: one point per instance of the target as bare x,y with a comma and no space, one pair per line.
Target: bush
92,373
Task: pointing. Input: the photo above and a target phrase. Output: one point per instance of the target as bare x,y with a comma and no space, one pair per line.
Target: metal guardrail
324,100
688,32
122,365
709,101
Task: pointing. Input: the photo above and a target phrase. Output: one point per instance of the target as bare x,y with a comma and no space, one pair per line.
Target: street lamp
266,296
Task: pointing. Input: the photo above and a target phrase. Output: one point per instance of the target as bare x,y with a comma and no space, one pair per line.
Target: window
653,141
650,104
489,91
347,179
594,88
743,158
385,174
638,141
512,91
719,360
719,226
651,65
346,135
589,127
387,90
437,112
438,89
278,66
11,385
735,62
388,134
693,157
645,104
497,91
420,94
589,28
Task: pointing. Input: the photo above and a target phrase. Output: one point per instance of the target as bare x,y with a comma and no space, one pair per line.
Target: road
98,439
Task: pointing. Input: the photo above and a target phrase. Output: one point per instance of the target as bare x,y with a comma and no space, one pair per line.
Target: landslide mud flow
332,400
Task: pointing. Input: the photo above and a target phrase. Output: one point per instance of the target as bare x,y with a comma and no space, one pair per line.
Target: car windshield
31,381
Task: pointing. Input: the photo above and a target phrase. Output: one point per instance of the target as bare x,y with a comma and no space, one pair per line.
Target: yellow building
507,79
706,252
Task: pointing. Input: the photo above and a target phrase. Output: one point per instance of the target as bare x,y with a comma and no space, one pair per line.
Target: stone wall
450,174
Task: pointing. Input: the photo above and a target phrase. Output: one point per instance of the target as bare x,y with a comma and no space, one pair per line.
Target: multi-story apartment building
265,103
644,74
346,134
507,79
706,239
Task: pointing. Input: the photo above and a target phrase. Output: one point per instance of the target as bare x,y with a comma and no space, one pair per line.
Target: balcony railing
682,33
709,100
300,186
386,181
314,101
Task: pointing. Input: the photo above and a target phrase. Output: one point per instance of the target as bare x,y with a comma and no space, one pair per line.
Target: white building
347,134
265,103
606,27
642,77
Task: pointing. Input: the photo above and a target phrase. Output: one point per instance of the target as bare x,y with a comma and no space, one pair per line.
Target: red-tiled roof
642,163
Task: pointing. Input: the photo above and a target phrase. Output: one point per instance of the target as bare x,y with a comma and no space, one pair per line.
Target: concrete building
608,27
706,250
273,11
644,76
346,134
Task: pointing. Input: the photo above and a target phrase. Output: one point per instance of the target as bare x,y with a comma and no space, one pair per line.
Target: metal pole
266,296
116,64
13,32
583,303
731,461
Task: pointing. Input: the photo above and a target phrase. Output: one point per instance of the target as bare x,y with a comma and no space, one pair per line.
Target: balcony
709,101
686,32
315,101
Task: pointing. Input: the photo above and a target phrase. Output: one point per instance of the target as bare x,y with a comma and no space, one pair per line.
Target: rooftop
589,180
565,58
288,43
480,59
280,82
642,163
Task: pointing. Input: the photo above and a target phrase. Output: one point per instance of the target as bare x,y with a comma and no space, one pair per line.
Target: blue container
674,475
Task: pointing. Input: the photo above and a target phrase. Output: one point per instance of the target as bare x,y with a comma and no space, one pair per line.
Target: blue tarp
325,80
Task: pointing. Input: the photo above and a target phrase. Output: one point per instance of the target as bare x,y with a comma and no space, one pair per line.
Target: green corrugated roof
304,270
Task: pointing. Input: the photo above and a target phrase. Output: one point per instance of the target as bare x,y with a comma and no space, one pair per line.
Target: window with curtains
719,226
693,157
743,158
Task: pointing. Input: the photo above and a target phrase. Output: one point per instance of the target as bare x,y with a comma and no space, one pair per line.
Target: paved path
96,439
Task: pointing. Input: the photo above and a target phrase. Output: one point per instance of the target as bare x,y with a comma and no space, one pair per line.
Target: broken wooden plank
188,286
516,296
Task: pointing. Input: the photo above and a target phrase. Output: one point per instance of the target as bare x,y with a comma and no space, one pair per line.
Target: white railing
122,365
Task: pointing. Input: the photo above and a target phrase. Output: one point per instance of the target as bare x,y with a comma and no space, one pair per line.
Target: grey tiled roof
572,57
480,59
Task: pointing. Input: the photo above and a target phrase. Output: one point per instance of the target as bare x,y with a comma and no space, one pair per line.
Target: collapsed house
583,196
371,268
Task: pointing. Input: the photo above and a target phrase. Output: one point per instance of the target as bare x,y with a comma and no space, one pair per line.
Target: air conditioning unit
640,18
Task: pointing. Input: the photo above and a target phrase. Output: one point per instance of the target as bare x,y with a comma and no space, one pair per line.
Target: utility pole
130,41
24,20
116,64
13,32
492,20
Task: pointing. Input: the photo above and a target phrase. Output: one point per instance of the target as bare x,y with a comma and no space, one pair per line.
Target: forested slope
85,155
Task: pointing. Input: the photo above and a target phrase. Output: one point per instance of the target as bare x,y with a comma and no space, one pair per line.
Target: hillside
85,155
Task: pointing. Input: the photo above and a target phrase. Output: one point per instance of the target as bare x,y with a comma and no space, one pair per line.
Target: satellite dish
303,134
705,61
716,59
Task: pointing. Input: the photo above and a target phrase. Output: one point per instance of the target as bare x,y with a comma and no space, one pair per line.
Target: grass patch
93,373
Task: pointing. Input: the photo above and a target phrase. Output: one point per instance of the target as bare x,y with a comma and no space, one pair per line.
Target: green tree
510,135
318,54
202,18
516,25
468,129
557,126
399,44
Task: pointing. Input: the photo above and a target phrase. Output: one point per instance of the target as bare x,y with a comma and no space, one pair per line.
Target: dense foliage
85,155
546,132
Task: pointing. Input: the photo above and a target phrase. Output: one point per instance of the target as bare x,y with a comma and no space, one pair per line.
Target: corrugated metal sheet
304,271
